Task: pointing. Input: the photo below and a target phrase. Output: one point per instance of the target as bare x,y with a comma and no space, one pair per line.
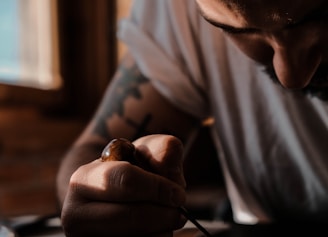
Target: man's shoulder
175,8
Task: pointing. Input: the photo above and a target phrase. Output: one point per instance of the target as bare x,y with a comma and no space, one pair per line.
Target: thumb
163,155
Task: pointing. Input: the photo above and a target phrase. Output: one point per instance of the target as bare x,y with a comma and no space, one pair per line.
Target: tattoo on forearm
128,85
140,128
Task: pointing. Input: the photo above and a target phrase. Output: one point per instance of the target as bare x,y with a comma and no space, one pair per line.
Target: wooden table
270,230
51,228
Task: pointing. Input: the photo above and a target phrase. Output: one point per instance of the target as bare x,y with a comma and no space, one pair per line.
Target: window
29,52
59,54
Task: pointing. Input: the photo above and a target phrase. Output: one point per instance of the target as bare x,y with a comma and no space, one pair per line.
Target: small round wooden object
119,149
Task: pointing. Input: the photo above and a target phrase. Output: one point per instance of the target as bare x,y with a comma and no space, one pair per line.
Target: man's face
290,38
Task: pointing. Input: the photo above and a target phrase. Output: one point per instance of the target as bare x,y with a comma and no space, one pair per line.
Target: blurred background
56,59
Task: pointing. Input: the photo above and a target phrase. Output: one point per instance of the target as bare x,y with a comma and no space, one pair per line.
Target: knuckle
122,176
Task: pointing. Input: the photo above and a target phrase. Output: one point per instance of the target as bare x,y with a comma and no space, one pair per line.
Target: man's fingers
162,154
117,181
116,219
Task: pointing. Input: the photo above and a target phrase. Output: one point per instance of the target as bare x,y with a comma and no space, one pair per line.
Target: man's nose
295,63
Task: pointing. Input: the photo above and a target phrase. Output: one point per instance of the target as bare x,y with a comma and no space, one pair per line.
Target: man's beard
318,87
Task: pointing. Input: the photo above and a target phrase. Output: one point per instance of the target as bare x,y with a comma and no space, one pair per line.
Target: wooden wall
88,51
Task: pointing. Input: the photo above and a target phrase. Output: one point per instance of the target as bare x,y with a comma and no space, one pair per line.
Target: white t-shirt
273,143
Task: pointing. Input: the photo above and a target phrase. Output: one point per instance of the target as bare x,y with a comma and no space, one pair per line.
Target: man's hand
116,198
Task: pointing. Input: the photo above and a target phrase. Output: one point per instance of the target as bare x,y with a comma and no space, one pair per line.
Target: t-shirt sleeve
162,36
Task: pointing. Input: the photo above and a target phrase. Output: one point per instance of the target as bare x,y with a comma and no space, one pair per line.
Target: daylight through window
29,54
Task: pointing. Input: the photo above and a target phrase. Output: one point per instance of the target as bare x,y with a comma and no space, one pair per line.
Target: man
259,68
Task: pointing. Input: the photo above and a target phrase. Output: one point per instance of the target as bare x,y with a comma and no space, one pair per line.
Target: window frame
87,59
